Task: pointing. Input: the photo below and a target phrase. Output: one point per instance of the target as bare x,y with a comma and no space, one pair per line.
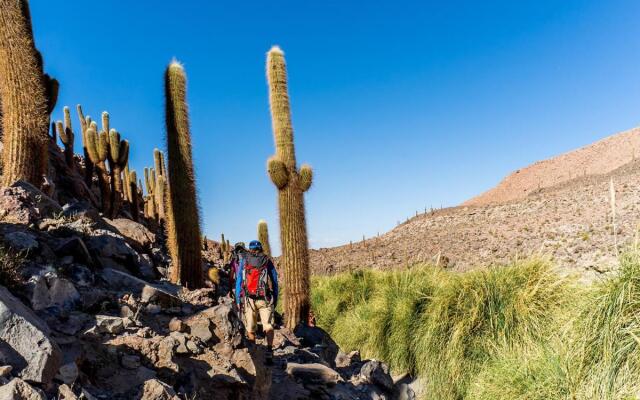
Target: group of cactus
155,179
27,97
106,155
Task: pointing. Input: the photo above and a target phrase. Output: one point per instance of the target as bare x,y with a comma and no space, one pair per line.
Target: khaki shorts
253,309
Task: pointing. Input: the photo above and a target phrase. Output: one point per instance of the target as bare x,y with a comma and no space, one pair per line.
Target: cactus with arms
65,131
183,222
291,184
97,145
26,97
118,157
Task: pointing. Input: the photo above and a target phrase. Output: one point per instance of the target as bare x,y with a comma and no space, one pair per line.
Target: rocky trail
88,315
569,220
86,312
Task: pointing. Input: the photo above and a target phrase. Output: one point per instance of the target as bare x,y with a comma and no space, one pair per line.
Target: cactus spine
183,222
291,184
263,236
65,131
25,105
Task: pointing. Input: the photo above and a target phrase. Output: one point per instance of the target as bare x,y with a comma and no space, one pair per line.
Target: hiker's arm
239,281
273,274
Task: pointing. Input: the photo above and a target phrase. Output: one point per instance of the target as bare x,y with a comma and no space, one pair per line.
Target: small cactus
183,221
263,236
65,131
291,183
25,98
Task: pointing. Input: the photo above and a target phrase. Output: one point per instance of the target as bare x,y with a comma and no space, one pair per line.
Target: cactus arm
277,172
306,177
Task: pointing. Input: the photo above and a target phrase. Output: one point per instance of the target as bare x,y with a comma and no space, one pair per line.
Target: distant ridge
597,158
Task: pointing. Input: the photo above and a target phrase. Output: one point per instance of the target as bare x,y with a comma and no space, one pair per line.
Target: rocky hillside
85,313
597,158
570,222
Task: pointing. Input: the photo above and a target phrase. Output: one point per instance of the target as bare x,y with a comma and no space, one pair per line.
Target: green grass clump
525,372
474,314
436,324
517,332
606,346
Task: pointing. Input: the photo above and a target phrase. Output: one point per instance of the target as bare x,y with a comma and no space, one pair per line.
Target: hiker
257,289
236,255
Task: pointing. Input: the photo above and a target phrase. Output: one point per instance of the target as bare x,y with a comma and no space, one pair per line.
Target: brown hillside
597,158
570,222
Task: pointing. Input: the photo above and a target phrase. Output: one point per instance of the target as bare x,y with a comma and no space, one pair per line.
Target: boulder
22,203
176,325
314,373
154,389
5,370
148,293
109,324
75,247
108,245
52,291
344,360
18,389
136,234
25,342
377,373
68,373
62,293
65,393
319,341
21,241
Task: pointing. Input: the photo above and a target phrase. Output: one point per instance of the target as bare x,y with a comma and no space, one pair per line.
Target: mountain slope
566,219
597,158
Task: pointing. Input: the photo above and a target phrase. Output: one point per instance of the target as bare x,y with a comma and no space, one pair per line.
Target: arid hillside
597,158
568,219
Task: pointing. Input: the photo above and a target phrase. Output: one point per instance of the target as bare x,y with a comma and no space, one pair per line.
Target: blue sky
397,105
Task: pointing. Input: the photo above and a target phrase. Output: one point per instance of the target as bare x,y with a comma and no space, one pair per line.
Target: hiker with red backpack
257,291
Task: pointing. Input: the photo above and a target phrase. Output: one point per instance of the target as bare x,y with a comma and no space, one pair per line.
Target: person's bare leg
251,336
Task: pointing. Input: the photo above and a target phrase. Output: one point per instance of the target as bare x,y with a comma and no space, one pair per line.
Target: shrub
10,264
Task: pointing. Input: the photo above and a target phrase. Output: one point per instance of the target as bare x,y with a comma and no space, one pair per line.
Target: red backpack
256,276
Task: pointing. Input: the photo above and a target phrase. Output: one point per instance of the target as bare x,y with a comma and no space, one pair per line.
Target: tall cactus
159,195
291,184
183,222
65,131
98,150
133,191
263,236
88,164
150,203
25,100
118,157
